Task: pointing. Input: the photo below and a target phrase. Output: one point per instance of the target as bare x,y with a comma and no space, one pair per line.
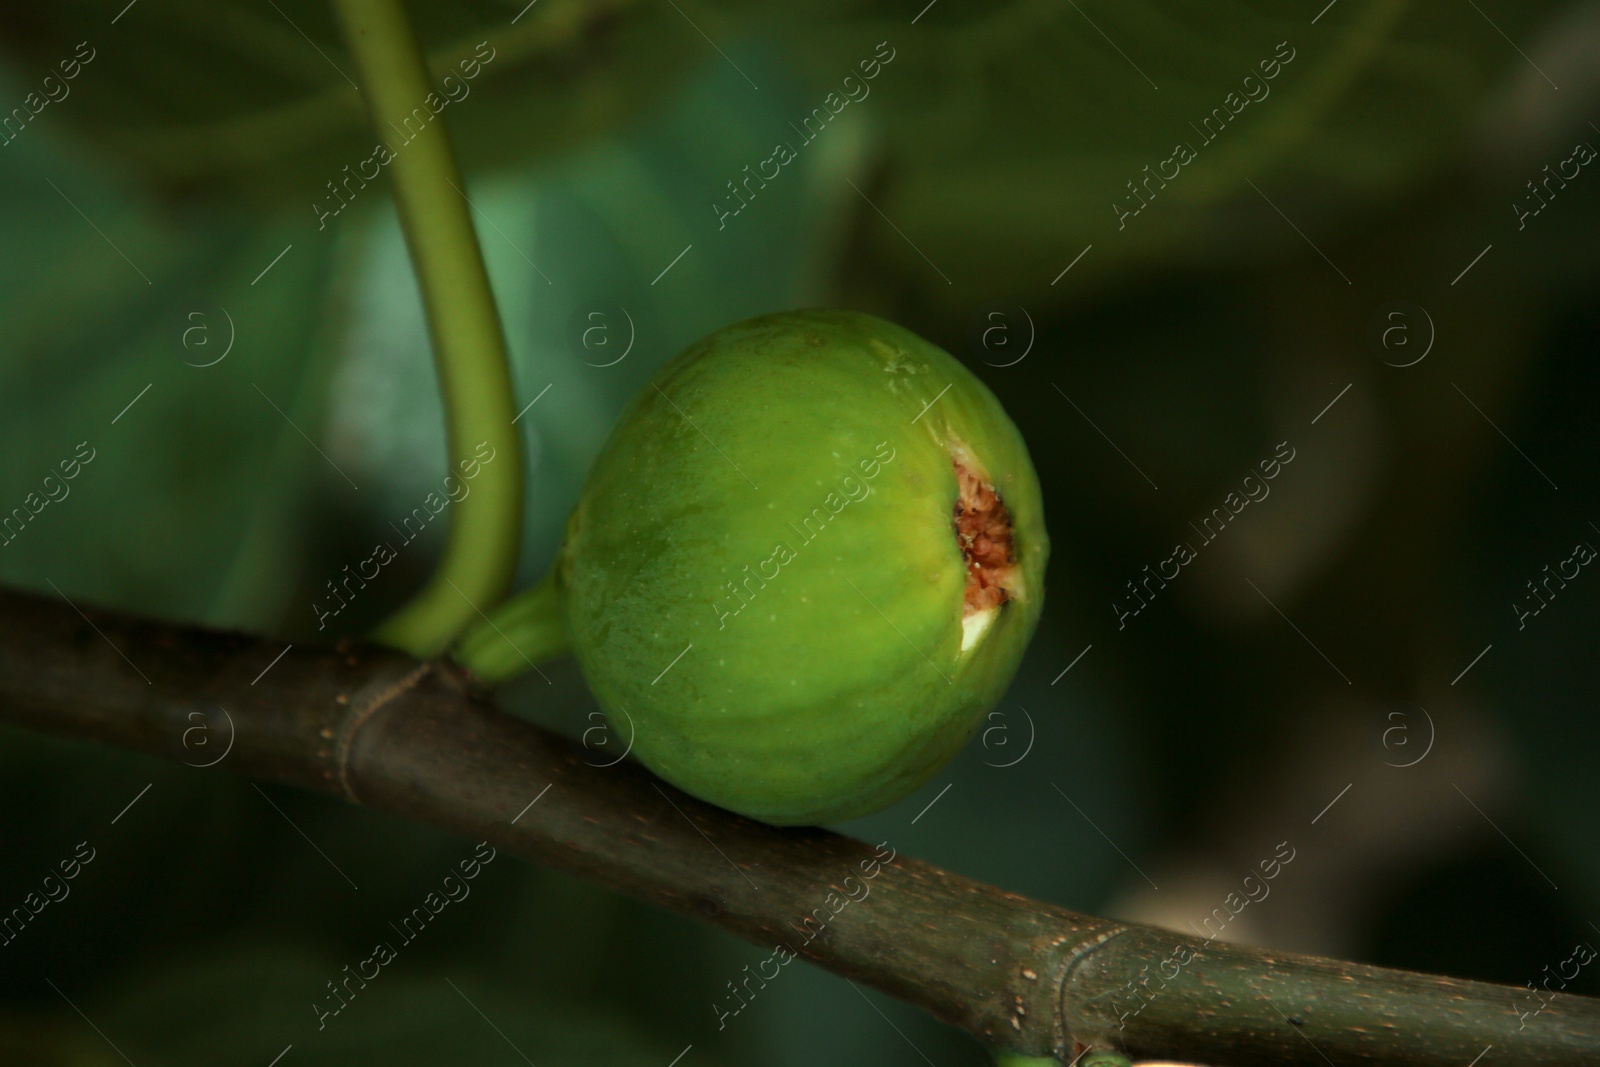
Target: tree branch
409,738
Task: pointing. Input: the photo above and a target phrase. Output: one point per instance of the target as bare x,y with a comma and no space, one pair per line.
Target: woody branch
411,738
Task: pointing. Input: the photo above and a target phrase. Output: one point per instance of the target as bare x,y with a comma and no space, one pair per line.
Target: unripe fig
805,565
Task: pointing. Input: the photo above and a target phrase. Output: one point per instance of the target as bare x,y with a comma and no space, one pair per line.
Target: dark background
1317,653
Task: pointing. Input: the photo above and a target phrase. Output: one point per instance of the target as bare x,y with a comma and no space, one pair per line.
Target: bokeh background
1356,265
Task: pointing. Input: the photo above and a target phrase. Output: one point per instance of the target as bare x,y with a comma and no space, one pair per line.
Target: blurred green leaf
1011,130
189,504
260,97
1088,97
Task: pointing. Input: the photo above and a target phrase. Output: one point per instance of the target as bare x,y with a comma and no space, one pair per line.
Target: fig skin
833,683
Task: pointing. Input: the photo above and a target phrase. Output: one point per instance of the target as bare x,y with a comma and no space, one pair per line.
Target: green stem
469,348
525,630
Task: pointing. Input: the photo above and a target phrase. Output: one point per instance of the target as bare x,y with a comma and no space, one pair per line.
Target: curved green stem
468,345
525,630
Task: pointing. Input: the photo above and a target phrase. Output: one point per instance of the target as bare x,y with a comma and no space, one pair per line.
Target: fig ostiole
806,564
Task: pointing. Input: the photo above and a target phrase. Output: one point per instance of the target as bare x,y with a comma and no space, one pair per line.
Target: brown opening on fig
983,531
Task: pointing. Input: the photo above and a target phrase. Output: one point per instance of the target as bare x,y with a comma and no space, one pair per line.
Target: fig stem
526,630
469,348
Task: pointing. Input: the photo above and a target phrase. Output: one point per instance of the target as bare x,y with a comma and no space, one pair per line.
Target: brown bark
412,739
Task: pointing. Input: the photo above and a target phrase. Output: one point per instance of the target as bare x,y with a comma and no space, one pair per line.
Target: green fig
805,565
